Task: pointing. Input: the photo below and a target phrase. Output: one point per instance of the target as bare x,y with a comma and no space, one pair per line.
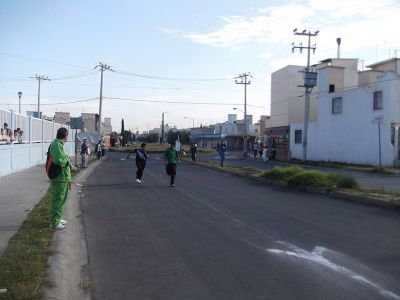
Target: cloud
359,24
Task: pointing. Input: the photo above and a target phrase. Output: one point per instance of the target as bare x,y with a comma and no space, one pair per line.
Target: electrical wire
170,78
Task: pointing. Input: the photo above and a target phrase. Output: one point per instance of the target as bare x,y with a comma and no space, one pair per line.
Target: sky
175,56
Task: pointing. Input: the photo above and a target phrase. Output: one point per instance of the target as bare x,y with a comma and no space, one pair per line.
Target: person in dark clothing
98,149
221,151
141,158
193,150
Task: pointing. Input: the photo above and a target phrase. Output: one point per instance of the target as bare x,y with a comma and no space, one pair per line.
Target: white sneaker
138,181
63,222
58,227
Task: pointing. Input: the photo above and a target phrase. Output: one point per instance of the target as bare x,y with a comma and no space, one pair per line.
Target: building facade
358,115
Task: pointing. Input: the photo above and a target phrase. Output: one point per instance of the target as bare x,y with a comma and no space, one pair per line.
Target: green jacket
61,159
171,155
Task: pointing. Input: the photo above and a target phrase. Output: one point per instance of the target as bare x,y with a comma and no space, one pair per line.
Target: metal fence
35,130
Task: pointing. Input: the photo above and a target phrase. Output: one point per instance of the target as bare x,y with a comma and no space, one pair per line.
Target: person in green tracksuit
62,183
171,157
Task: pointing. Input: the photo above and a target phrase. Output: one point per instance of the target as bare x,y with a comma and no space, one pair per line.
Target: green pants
59,193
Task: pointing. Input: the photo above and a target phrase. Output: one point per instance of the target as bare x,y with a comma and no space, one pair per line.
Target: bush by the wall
279,173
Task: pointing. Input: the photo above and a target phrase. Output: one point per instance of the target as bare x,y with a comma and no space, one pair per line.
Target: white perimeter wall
17,157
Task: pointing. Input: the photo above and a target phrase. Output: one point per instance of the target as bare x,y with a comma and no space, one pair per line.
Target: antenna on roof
338,41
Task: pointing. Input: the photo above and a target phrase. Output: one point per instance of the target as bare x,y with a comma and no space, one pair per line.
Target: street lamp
190,119
19,103
379,120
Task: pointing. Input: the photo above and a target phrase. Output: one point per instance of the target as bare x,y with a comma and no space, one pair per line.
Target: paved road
216,236
365,179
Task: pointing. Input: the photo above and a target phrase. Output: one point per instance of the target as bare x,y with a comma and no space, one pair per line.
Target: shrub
279,173
313,178
347,182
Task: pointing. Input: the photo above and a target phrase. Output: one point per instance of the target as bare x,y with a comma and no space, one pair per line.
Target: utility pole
103,67
39,79
162,127
310,80
244,80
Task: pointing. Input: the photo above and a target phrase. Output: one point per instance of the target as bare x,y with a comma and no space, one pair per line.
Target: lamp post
190,119
19,102
379,120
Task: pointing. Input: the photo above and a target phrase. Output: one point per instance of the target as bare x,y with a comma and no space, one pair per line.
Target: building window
337,105
331,88
377,100
298,136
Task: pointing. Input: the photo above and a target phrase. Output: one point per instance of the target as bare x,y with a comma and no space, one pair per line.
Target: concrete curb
376,200
68,270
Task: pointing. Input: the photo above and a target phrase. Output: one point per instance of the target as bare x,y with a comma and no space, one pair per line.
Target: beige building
89,121
62,118
287,103
106,128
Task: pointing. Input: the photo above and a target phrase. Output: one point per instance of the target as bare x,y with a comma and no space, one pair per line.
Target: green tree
152,138
182,134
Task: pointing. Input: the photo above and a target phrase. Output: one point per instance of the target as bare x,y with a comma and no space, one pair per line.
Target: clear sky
177,41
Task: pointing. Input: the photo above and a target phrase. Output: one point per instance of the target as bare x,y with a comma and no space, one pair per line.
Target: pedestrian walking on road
62,183
171,157
193,150
261,149
84,153
255,149
98,149
265,154
141,158
221,152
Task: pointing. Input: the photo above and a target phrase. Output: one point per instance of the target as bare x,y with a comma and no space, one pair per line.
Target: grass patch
279,173
24,263
300,178
355,167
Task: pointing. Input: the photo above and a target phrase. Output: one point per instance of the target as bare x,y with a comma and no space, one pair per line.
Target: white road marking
316,256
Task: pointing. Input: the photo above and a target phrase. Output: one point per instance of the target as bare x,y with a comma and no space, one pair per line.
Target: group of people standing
261,150
7,136
100,150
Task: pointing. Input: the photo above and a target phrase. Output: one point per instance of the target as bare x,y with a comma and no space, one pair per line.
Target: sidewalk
366,180
20,192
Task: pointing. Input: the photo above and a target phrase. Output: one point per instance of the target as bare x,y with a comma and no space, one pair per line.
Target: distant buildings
89,122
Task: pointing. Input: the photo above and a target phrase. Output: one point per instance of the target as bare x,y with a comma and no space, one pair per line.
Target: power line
170,102
40,60
169,78
56,103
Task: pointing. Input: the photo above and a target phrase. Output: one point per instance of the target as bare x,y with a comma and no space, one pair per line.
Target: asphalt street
216,236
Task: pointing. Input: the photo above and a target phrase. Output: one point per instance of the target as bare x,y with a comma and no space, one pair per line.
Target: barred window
337,105
378,100
298,136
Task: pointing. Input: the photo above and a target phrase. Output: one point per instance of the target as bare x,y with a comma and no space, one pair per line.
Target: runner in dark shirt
141,158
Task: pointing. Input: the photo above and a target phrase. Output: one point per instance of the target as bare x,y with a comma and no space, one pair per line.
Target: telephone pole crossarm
39,78
310,80
102,67
244,80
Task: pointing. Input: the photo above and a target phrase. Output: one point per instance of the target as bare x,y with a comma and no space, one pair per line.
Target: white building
349,103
